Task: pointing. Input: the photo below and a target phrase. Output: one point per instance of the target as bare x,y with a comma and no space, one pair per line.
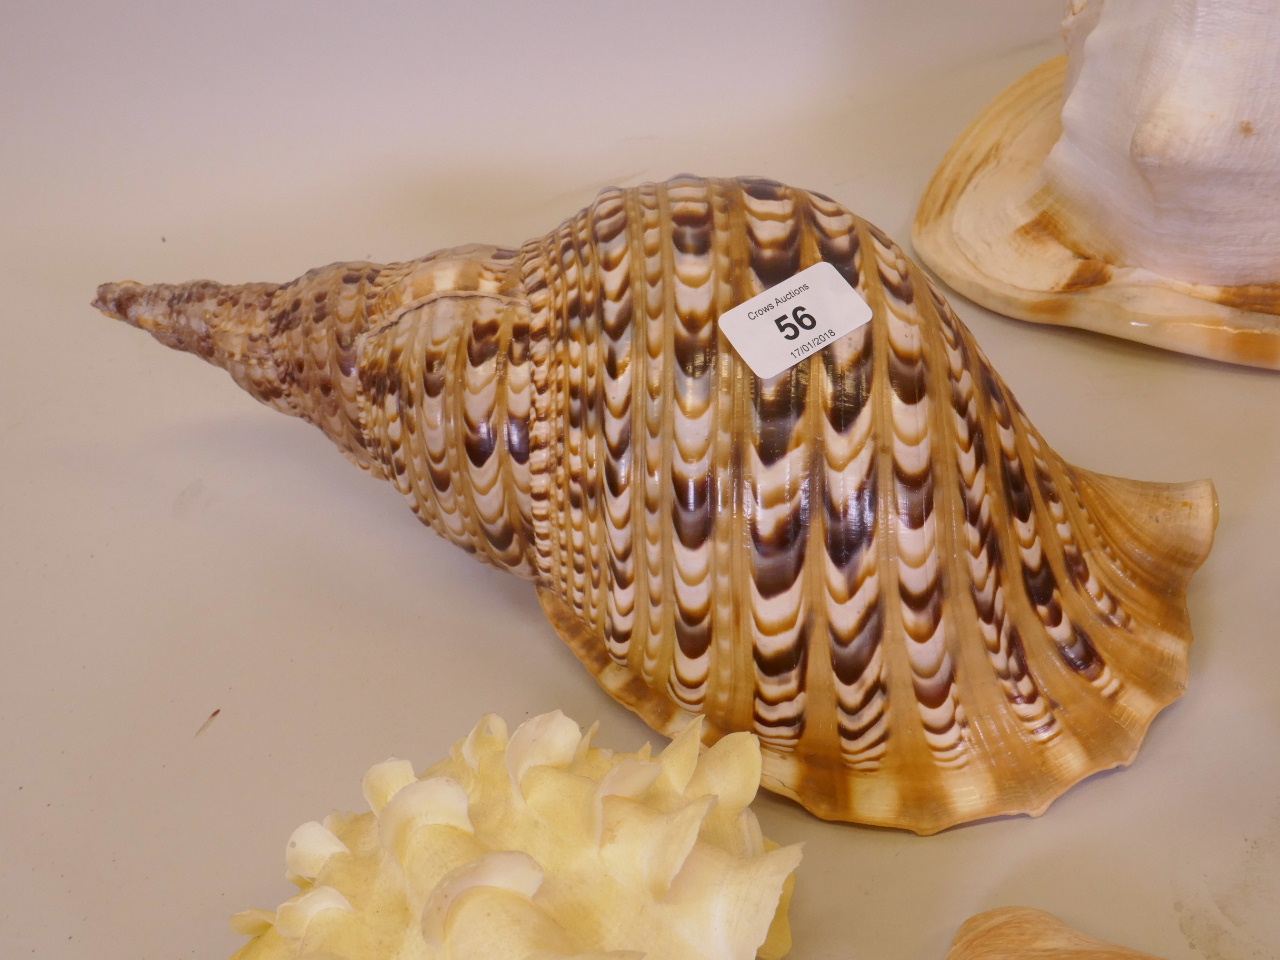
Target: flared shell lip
1000,156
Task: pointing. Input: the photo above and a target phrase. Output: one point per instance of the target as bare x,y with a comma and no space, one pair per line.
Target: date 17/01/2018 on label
786,323
804,349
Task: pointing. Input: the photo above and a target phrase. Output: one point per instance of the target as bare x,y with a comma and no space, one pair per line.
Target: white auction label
794,319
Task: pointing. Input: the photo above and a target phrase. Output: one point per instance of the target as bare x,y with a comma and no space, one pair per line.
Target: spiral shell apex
873,561
538,845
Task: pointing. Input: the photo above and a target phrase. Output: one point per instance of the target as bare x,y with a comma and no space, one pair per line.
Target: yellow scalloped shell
538,845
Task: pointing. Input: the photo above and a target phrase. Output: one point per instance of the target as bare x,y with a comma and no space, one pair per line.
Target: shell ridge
601,418
693,281
1084,647
474,407
777,523
1110,568
1060,684
454,423
982,710
1113,563
1025,706
560,520
672,202
593,550
408,410
821,729
572,490
904,739
542,453
616,438
1039,578
1002,641
658,456
1101,600
639,431
511,439
856,654
1114,495
740,657
725,476
1185,516
517,427
1092,627
915,487
389,359
545,437
439,371
508,523
856,644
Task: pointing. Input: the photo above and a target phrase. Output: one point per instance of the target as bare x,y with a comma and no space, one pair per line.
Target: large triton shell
1132,188
1021,933
872,561
539,845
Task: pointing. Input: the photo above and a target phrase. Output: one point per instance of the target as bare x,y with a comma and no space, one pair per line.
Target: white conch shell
1133,189
1021,933
539,846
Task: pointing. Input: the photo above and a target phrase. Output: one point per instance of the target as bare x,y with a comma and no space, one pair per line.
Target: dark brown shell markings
873,560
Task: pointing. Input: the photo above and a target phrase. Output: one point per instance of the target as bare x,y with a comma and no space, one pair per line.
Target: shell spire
237,328
220,323
872,561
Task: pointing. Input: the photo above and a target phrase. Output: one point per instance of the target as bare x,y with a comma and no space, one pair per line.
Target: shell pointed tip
114,299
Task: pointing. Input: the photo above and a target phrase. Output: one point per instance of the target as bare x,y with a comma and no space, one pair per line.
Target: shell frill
1021,933
538,845
872,561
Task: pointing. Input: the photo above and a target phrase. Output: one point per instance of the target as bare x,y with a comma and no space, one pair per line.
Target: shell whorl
872,561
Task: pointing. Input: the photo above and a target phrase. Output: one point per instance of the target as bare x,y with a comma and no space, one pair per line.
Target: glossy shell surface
872,561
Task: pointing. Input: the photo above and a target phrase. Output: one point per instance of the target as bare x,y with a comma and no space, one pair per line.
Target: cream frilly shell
538,846
1130,188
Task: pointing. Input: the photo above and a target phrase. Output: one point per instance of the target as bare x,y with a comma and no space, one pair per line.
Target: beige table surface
169,548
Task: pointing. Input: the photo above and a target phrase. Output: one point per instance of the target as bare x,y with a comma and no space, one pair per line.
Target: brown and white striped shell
872,561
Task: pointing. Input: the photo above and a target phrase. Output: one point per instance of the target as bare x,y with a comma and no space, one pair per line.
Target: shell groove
871,561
